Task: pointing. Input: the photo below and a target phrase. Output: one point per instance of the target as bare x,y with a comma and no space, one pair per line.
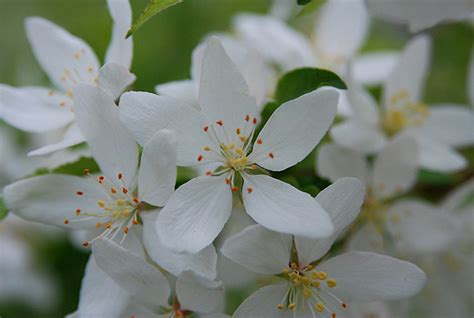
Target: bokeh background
40,268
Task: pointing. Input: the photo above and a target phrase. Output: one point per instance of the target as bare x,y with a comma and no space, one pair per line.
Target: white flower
258,75
133,285
410,224
421,14
319,289
111,202
437,129
339,32
222,134
68,61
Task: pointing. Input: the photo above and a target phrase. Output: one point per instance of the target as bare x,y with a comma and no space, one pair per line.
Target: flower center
231,150
309,289
403,113
118,210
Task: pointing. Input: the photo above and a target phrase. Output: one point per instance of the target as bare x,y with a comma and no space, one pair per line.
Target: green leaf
310,8
3,209
75,168
153,7
303,2
304,80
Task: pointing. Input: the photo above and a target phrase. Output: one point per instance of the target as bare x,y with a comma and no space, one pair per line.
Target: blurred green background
162,53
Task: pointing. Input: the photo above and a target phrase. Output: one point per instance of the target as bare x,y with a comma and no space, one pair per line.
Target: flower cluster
161,250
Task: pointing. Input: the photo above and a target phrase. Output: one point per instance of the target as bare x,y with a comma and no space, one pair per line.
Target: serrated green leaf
3,209
153,7
304,80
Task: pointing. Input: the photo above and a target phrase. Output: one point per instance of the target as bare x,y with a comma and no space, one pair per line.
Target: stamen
259,141
235,189
113,190
78,211
119,176
85,243
271,155
200,157
206,128
220,123
66,221
86,171
124,190
249,190
80,193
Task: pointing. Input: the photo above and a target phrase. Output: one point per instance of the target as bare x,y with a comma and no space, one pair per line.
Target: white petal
275,41
368,238
364,106
73,136
186,90
34,109
294,129
195,214
409,74
145,113
439,157
120,49
358,136
451,125
334,162
111,145
131,272
51,199
198,294
223,92
114,78
258,249
157,172
420,15
342,200
374,67
202,263
457,199
280,207
263,303
363,276
396,167
347,21
233,275
100,296
67,59
420,228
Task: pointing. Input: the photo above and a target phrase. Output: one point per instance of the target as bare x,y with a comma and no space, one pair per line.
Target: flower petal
67,59
223,92
114,78
280,207
34,109
420,228
373,68
186,90
202,263
198,294
258,249
408,76
263,303
100,295
364,105
363,276
73,136
110,143
438,157
144,114
294,129
396,167
131,272
450,125
346,21
120,49
334,162
342,200
195,214
359,136
457,200
275,41
51,199
157,172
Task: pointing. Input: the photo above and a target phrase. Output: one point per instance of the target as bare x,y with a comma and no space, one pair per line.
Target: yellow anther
206,148
239,151
331,283
101,203
126,212
307,292
322,275
316,283
280,306
292,306
97,225
231,146
319,307
294,266
69,93
121,202
243,138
